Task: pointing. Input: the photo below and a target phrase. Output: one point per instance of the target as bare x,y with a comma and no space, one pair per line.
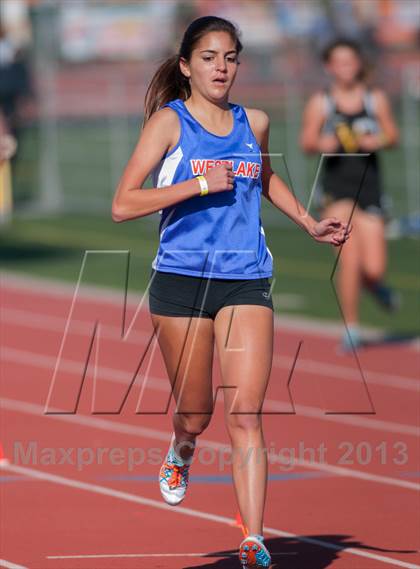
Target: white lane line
124,428
118,376
110,332
353,420
136,499
10,565
350,374
140,555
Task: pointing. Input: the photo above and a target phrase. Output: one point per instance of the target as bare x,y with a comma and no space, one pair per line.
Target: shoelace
176,475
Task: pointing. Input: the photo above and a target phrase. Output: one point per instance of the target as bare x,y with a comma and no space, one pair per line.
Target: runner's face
213,66
344,64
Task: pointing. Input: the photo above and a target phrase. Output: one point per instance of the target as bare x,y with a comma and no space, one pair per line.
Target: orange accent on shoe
239,523
253,553
177,474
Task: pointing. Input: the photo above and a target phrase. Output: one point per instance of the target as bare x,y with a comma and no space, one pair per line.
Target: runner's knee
244,417
193,423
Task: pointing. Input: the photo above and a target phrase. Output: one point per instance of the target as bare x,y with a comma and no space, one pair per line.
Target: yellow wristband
203,185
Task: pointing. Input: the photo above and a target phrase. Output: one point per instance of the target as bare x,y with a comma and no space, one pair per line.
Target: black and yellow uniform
352,177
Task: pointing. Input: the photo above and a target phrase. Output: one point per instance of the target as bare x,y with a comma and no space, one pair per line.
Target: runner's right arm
159,136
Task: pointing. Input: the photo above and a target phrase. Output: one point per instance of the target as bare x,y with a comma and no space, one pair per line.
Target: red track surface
363,512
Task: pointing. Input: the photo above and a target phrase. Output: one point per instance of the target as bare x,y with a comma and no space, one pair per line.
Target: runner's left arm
329,230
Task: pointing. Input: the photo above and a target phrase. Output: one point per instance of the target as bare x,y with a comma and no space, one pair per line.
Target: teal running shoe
253,553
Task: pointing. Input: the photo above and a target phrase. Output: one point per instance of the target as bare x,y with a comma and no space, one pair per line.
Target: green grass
55,247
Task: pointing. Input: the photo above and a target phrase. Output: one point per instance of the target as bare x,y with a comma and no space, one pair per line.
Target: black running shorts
171,294
356,178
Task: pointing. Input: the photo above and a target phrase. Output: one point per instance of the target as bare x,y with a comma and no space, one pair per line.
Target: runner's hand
220,179
8,147
331,230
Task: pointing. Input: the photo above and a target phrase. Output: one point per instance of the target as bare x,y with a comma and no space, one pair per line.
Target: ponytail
168,83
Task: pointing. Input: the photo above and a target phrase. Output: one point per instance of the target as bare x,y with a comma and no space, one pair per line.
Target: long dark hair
168,82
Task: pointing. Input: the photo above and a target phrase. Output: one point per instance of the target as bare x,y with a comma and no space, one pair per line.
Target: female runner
210,280
350,118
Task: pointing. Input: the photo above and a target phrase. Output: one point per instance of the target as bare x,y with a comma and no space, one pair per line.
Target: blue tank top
218,235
